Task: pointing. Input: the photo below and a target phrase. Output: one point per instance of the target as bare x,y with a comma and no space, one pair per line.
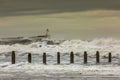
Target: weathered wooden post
97,57
109,58
44,58
71,57
85,57
58,57
13,57
29,58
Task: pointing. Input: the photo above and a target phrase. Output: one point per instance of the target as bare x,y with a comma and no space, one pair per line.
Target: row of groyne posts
13,57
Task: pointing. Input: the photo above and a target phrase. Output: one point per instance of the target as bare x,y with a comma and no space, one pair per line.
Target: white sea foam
77,46
103,45
66,69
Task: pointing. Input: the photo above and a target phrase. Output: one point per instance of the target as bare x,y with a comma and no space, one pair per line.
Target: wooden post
71,57
85,57
109,58
97,57
29,58
13,57
44,58
58,57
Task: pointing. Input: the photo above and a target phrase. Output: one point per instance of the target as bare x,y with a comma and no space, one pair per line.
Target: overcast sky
25,7
65,18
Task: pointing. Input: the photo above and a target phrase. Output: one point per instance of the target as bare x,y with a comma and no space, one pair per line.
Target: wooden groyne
13,58
58,60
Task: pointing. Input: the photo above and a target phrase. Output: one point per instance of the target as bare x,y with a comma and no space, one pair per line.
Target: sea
36,70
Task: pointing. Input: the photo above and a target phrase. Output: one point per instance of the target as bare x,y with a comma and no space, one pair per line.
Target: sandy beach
20,76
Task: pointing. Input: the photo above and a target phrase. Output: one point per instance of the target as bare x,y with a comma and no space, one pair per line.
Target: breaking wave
36,46
63,46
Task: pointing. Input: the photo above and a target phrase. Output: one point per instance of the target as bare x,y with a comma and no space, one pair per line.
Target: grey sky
28,7
66,19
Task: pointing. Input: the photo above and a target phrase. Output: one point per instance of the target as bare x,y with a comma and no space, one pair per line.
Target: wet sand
62,78
28,76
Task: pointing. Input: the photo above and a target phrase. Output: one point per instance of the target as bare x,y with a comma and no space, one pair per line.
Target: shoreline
58,77
60,70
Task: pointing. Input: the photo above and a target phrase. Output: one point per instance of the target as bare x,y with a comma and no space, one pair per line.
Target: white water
103,45
77,46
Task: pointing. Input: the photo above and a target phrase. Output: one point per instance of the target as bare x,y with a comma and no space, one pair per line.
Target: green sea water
69,25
